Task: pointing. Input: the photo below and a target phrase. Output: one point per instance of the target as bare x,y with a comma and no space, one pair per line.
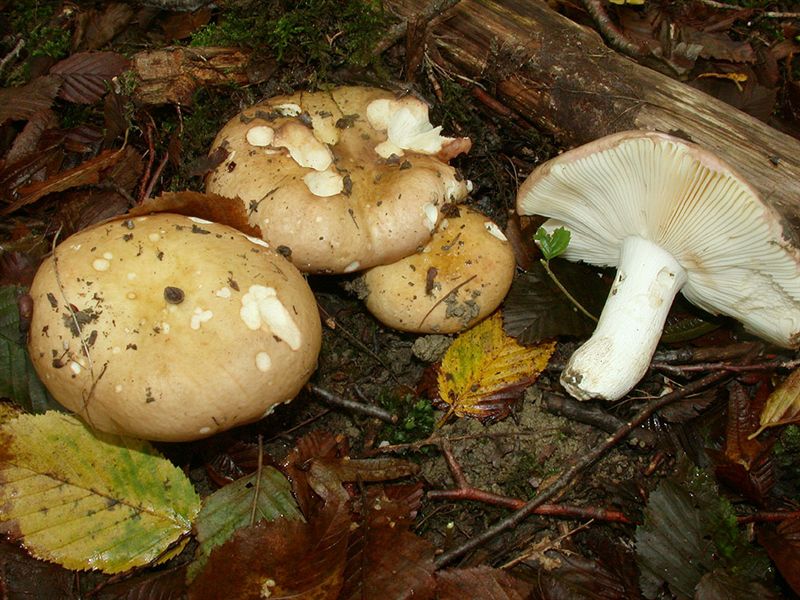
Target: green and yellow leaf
783,405
244,502
89,500
485,370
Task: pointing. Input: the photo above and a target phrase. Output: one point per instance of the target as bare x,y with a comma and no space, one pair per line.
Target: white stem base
618,354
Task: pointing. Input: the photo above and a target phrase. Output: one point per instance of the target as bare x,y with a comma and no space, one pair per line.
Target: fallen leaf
484,371
169,584
480,582
18,379
783,404
782,543
280,559
239,504
88,172
25,578
228,211
90,500
535,309
94,29
85,76
21,103
386,561
27,141
181,26
721,584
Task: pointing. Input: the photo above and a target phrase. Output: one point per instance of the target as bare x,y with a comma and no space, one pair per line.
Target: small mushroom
346,178
457,279
671,217
171,328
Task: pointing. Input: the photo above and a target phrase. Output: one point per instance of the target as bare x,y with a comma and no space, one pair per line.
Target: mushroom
457,279
671,217
171,328
340,180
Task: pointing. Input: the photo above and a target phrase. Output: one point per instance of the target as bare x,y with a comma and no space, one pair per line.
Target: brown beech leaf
280,559
94,29
235,462
149,585
783,404
228,211
180,26
782,543
480,582
386,561
21,103
85,75
27,141
22,576
88,172
585,578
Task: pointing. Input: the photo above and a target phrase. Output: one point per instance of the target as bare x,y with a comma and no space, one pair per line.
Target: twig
398,30
258,479
577,467
358,407
768,517
767,13
721,366
13,54
446,296
465,491
609,30
149,189
592,415
570,297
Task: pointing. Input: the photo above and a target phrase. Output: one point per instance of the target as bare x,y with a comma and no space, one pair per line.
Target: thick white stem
618,354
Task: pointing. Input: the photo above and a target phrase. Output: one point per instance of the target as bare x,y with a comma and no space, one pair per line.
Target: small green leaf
232,507
552,244
18,380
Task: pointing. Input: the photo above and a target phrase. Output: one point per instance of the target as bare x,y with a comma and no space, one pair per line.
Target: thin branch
610,31
258,480
397,31
334,399
578,467
770,14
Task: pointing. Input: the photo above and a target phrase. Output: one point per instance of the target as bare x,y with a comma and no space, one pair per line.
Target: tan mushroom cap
171,328
340,180
459,278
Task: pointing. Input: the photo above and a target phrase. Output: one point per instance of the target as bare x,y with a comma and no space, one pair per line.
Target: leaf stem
576,304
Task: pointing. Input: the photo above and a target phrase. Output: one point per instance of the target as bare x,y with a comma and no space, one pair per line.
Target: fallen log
562,77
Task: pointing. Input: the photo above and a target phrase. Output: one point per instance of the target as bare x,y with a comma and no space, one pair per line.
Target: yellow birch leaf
783,405
484,371
89,500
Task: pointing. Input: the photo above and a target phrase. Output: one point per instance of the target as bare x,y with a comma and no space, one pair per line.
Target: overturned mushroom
671,217
171,328
456,280
342,179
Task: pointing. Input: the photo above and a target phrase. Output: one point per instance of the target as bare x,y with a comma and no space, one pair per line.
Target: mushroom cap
342,179
736,250
171,328
460,277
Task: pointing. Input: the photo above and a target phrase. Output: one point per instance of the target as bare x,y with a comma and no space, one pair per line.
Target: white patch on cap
260,135
131,276
76,247
431,215
199,220
353,266
204,430
262,308
256,241
324,183
118,388
200,316
100,264
153,237
116,350
223,292
289,109
165,327
495,231
131,295
75,367
263,362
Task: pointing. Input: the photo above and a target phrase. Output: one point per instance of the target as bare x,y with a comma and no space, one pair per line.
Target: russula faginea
457,279
340,180
171,328
671,217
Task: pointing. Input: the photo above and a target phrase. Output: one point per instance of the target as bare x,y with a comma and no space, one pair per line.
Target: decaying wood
562,77
171,75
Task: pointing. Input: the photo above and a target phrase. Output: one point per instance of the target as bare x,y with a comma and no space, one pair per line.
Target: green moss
323,33
415,418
